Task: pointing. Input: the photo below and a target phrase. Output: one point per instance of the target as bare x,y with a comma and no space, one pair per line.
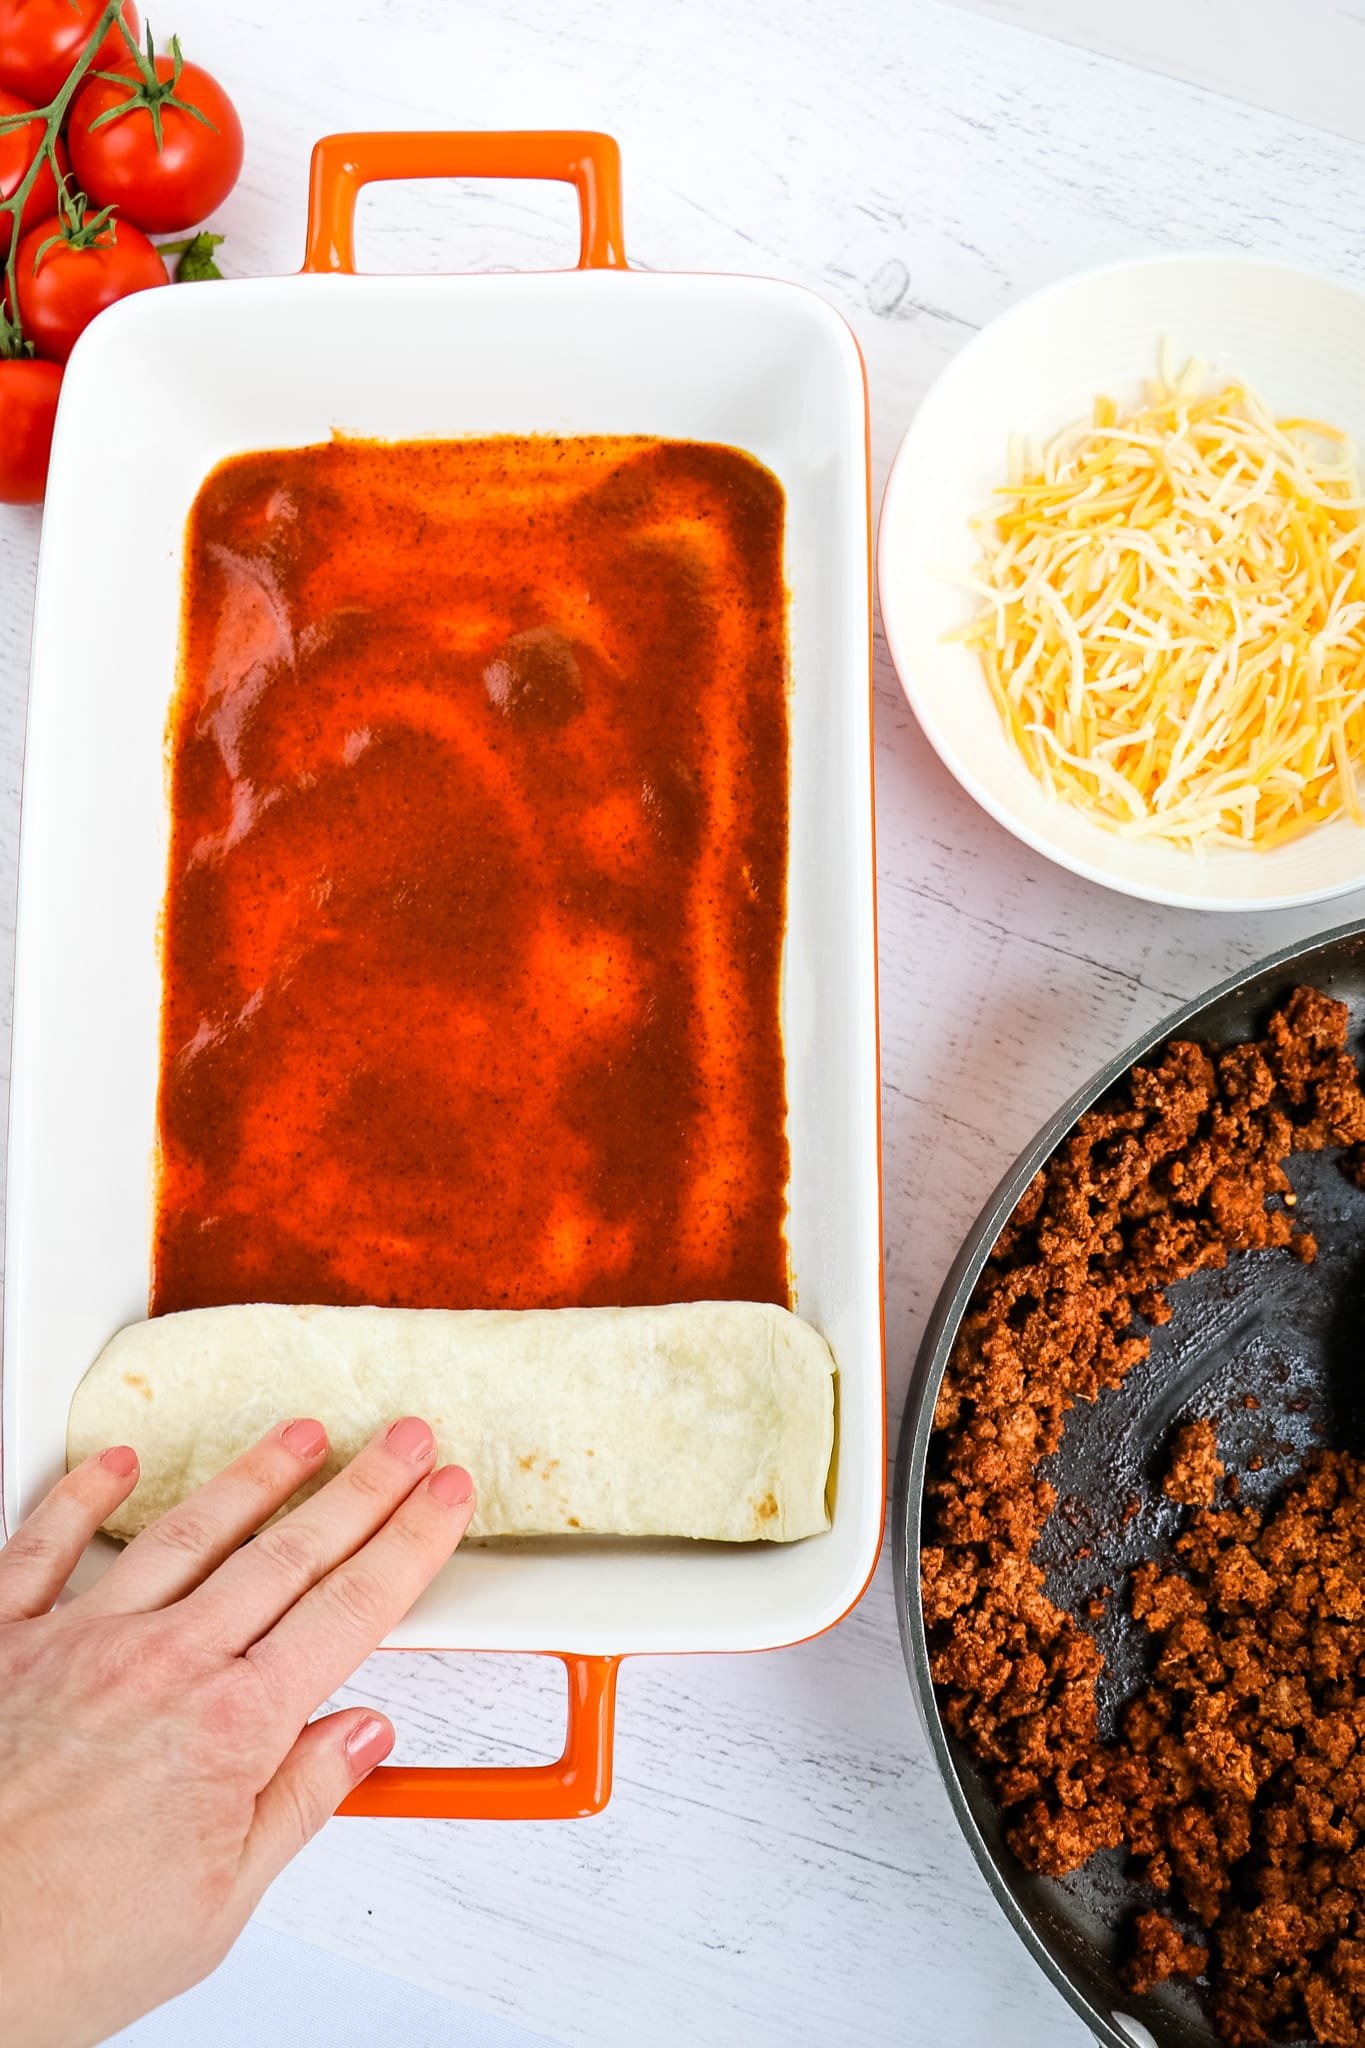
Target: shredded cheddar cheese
1173,623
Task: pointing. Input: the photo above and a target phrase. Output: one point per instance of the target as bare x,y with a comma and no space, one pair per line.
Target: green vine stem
149,91
12,341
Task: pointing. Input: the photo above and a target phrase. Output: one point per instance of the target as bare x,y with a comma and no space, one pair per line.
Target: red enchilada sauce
477,880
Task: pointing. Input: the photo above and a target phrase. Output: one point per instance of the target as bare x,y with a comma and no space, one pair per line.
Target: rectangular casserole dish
276,362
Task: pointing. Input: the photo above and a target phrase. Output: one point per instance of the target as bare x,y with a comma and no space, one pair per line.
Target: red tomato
40,41
16,154
71,283
28,407
171,186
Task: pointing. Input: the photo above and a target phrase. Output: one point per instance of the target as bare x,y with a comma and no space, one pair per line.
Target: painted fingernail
121,1459
452,1486
369,1742
410,1438
305,1438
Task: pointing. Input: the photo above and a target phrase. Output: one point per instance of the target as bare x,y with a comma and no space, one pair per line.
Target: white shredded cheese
1173,615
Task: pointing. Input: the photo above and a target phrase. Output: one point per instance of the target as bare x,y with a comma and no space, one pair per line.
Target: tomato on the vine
28,408
40,41
68,271
17,149
162,142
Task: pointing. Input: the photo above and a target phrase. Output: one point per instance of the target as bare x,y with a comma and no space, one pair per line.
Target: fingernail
410,1438
369,1742
305,1438
121,1459
452,1486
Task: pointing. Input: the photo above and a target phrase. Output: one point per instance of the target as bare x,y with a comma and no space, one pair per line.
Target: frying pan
1265,1325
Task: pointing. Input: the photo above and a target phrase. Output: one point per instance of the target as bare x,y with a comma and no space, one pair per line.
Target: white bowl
1298,340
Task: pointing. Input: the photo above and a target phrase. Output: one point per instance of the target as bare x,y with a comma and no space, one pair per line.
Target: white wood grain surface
1303,58
779,1865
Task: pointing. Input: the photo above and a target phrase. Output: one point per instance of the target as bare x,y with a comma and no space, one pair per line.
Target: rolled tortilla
710,1419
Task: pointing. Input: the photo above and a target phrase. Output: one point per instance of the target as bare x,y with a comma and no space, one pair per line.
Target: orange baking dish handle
591,163
579,1784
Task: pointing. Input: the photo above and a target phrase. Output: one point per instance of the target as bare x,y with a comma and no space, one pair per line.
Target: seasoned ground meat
1162,1951
1234,1779
1195,1467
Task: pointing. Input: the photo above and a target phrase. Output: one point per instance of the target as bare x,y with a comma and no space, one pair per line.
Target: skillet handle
580,157
579,1784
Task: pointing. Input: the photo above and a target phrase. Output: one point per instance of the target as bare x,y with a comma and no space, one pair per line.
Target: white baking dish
277,362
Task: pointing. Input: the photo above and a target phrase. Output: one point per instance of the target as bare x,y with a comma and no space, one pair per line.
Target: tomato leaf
194,258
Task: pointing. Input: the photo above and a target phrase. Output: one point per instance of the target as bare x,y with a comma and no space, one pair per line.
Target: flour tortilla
710,1419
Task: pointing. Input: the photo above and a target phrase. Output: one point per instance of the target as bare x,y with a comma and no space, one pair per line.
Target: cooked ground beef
1234,1778
1195,1466
1162,1951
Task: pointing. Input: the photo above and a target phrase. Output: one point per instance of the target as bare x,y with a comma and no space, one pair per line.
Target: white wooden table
779,1864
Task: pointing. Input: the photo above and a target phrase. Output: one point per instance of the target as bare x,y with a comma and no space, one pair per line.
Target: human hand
155,1770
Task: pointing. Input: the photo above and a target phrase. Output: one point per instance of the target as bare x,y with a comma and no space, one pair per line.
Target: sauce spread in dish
477,880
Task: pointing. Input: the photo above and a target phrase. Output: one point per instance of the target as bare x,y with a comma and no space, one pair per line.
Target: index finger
316,1646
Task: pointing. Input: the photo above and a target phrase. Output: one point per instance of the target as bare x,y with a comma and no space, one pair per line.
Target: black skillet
1289,1334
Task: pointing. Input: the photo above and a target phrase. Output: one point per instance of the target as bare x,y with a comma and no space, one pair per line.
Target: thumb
330,1758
